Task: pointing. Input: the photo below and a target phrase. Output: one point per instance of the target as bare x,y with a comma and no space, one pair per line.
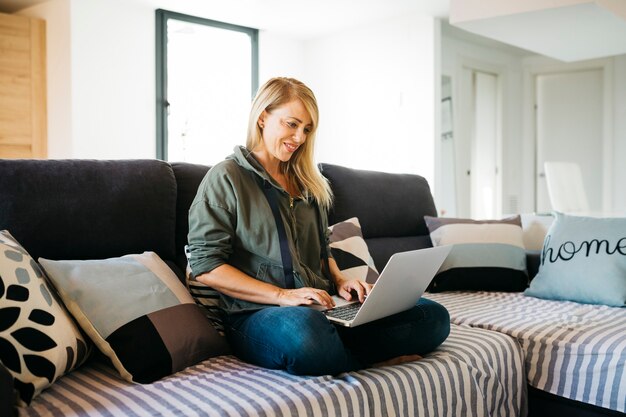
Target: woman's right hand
304,296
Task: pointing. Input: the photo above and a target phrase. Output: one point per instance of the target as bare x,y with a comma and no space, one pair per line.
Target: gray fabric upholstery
87,209
390,208
188,178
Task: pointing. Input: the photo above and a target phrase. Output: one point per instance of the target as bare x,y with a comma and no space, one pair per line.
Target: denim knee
298,339
438,318
312,345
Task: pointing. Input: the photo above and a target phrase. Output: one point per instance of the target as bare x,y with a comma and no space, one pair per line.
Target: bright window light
209,87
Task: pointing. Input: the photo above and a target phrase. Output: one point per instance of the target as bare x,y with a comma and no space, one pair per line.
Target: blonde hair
301,167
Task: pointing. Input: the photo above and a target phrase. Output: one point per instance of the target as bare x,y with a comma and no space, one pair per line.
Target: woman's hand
304,296
345,288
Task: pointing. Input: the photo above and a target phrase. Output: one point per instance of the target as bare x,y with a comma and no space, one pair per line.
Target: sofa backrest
390,208
88,209
188,178
96,209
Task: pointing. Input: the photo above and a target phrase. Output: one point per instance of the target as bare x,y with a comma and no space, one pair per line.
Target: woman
257,235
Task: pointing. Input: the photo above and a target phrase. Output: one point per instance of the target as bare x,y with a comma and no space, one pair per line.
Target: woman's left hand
346,287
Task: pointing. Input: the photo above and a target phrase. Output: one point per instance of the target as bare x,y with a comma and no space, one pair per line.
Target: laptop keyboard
346,312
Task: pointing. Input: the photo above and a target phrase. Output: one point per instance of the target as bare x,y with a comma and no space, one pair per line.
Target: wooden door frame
536,66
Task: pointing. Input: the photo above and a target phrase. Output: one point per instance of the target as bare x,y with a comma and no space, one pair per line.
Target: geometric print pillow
487,255
137,312
39,341
350,251
209,299
206,297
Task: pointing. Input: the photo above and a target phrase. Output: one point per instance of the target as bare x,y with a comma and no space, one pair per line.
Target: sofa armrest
7,394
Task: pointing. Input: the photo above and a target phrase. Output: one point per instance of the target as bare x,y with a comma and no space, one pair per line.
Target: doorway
569,128
478,148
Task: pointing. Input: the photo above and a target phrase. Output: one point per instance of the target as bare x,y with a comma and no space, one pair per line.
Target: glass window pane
208,89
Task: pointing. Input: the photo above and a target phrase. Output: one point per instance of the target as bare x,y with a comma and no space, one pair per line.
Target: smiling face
284,129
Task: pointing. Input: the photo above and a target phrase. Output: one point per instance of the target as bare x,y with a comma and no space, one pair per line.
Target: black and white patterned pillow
350,251
209,299
39,342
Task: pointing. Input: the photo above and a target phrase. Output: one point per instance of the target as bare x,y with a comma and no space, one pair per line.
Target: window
207,72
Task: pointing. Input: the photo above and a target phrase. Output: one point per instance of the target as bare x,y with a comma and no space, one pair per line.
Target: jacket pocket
272,274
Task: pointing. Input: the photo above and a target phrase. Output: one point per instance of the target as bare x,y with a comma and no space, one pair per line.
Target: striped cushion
572,350
206,297
209,299
137,313
487,255
350,251
473,373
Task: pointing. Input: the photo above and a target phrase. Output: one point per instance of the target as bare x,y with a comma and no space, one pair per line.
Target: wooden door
23,122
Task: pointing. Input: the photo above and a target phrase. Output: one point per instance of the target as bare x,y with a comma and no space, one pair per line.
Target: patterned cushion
206,297
137,312
209,299
39,342
350,251
487,255
583,259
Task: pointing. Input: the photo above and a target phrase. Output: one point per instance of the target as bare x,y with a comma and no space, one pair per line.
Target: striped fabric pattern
474,373
573,350
486,254
209,299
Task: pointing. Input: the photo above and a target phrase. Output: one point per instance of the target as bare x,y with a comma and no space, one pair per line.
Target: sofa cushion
39,341
209,299
87,209
487,254
137,312
583,259
350,251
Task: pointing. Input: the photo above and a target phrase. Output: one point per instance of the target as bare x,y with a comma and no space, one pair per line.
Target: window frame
162,103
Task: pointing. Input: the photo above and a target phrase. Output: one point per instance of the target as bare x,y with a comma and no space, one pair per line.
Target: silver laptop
401,284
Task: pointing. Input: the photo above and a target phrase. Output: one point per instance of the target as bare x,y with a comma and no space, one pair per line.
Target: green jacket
230,221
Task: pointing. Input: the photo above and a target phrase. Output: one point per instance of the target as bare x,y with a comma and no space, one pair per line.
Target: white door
477,147
484,184
569,118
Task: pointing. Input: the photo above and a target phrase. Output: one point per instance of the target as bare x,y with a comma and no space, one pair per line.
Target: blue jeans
303,342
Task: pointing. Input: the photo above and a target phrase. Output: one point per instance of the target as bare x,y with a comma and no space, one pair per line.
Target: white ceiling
568,30
299,18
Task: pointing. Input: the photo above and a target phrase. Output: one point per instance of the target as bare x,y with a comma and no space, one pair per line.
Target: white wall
375,87
280,56
56,13
101,76
113,76
619,133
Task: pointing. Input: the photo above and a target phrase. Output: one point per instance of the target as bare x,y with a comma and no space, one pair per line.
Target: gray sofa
89,209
